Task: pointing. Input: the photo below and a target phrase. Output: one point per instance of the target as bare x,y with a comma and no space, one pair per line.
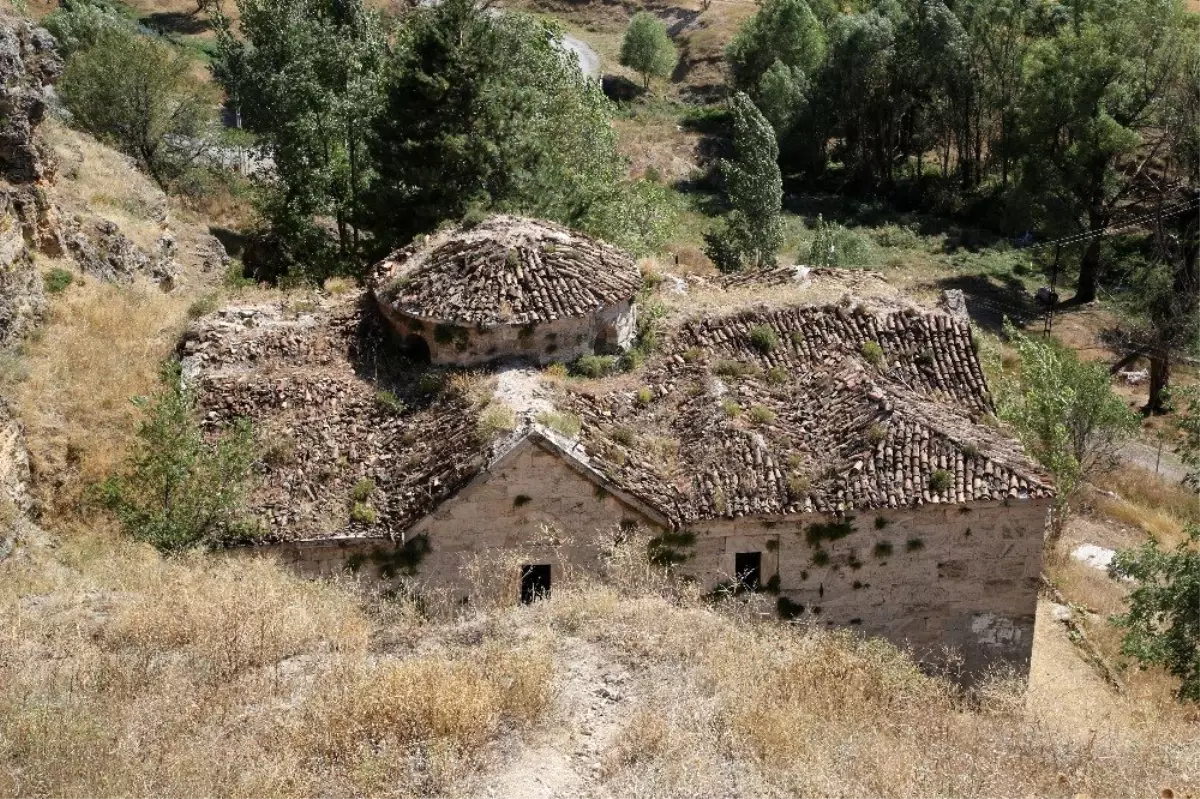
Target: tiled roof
505,271
727,424
809,423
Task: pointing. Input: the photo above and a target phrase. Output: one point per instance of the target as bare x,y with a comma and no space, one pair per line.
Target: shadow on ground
176,22
990,300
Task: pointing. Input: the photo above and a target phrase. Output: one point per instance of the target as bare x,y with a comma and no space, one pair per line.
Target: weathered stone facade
509,288
959,576
609,330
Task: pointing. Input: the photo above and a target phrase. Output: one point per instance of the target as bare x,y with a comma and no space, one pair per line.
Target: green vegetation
179,490
1065,413
647,48
873,353
731,408
817,532
763,338
750,233
882,549
777,375
57,280
668,548
760,414
595,366
1162,626
568,424
940,481
362,490
139,95
389,402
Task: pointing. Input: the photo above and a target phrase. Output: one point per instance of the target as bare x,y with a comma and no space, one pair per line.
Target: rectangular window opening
747,566
535,582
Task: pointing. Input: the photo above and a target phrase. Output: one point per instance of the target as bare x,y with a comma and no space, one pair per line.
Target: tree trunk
1089,267
1160,379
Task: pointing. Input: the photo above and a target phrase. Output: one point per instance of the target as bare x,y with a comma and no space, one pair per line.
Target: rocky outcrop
28,63
103,251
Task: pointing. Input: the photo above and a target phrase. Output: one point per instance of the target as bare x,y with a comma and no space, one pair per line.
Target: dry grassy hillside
123,673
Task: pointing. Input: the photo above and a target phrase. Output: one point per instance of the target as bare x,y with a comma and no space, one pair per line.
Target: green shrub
180,488
495,419
388,401
595,366
777,375
731,368
876,433
431,382
763,338
58,279
760,414
203,306
873,353
731,408
362,513
645,395
940,481
362,490
568,424
622,435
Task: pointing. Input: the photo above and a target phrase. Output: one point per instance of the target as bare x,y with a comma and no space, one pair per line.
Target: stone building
836,458
509,287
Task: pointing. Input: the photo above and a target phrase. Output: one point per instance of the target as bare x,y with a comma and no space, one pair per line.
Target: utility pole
1053,292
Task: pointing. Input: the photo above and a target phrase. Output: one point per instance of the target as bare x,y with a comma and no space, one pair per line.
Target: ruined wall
560,340
965,576
533,505
962,576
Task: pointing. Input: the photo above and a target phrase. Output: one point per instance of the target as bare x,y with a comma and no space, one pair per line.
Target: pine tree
647,48
751,233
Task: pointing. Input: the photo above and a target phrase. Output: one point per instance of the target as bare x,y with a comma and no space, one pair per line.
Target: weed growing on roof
388,401
940,481
876,433
970,450
799,486
925,357
667,548
566,423
760,414
645,395
798,338
730,368
692,354
873,353
622,435
777,375
883,549
496,418
362,490
763,338
731,408
362,513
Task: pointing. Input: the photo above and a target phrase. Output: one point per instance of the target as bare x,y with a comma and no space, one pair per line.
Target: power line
1117,227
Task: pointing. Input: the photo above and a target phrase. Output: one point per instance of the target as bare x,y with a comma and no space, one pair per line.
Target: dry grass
102,345
125,674
1147,502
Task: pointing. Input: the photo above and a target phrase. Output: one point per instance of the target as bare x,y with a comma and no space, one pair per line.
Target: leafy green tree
487,112
180,490
1187,423
1092,114
647,48
782,30
1162,626
782,96
751,232
307,77
138,94
1065,412
77,24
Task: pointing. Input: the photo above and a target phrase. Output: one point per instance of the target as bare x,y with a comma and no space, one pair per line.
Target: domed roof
506,270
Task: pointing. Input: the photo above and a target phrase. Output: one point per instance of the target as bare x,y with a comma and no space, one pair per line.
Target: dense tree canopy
488,111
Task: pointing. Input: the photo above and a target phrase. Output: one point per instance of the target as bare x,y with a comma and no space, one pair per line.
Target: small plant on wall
667,549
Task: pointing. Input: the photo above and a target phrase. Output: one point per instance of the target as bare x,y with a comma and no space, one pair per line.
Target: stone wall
963,576
560,340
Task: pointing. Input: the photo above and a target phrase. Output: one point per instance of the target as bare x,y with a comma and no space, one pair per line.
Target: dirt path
596,698
1066,693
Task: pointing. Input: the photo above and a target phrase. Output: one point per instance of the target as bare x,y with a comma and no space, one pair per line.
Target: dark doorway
748,568
535,582
417,348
